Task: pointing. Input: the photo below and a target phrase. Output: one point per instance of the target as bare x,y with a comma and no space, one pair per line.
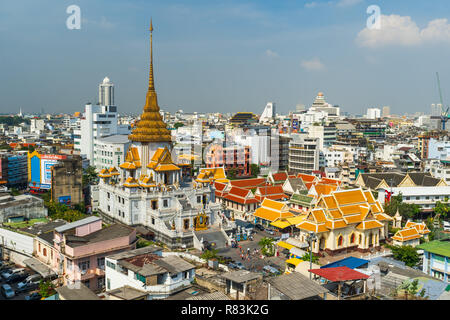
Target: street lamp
311,237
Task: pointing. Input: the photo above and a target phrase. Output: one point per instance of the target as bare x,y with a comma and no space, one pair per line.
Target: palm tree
267,246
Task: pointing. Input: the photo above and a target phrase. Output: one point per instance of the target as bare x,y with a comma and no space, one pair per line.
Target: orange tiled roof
349,196
131,183
306,177
272,204
167,167
280,176
330,181
248,183
128,166
309,226
406,234
271,215
335,224
372,224
324,189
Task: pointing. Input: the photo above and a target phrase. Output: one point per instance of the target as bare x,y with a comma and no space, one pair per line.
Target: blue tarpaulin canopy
349,262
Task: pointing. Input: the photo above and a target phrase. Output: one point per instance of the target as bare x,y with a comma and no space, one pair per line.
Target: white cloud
271,53
403,31
348,3
311,4
312,65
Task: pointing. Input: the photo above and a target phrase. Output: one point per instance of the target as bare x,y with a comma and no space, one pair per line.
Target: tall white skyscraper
106,93
98,121
268,113
373,113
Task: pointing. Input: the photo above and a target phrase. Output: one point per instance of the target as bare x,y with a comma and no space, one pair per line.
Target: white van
446,225
6,275
34,278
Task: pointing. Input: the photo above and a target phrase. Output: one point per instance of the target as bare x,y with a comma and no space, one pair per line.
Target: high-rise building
325,133
386,111
303,154
106,93
373,113
98,121
268,113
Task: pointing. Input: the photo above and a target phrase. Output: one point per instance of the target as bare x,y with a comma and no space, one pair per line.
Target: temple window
340,240
165,203
154,204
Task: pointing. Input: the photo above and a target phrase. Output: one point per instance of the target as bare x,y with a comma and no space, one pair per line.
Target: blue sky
225,56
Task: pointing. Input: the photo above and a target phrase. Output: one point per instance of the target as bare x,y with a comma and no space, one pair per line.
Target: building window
101,282
83,266
340,240
69,264
352,238
111,265
101,262
139,277
108,195
44,252
154,204
108,284
153,220
165,203
109,208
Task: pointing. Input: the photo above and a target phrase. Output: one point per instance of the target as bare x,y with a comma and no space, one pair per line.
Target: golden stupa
151,127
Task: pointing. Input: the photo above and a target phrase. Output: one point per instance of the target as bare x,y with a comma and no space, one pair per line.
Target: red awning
339,274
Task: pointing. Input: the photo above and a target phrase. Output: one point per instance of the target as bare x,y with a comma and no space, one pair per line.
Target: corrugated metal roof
78,223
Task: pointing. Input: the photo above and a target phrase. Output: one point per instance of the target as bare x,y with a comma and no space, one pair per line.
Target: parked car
239,265
259,227
7,291
34,278
270,231
6,275
6,265
232,265
33,296
271,270
17,277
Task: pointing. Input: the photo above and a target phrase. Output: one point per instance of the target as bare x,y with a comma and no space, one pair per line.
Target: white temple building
148,188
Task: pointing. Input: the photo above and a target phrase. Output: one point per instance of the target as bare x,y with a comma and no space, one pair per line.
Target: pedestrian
248,251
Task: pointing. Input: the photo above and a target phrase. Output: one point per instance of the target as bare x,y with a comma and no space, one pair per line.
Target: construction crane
444,115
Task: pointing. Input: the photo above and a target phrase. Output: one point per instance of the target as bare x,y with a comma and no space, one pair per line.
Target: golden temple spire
151,81
151,127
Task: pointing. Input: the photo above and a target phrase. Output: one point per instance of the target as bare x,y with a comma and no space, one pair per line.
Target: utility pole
311,237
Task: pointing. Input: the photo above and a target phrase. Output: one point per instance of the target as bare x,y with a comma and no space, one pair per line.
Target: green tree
442,209
413,287
406,210
407,254
14,192
306,257
209,254
231,174
178,125
255,169
89,175
267,246
46,288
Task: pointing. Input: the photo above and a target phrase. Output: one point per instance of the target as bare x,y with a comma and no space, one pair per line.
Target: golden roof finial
151,81
151,127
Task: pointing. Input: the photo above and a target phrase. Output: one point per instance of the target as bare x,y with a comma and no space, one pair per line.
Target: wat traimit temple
148,189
